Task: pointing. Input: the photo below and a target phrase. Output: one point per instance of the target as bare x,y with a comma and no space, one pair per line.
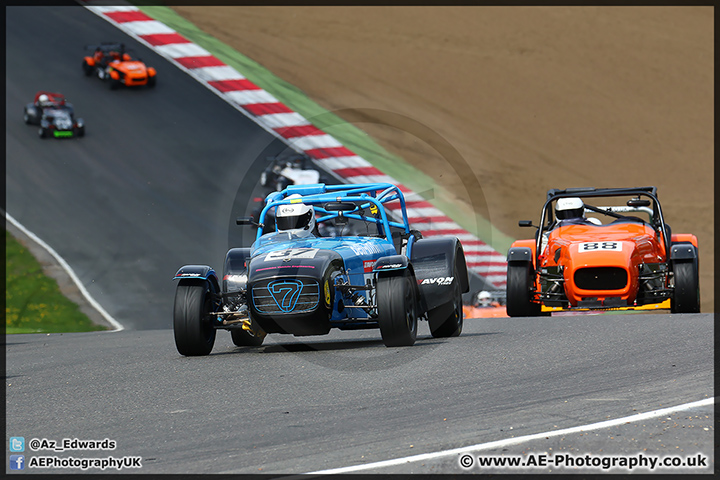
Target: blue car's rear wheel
192,324
397,308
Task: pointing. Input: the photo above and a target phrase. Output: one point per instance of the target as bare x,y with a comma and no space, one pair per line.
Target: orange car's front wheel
686,294
520,280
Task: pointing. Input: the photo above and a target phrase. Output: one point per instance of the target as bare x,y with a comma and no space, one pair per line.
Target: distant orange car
485,304
605,261
111,63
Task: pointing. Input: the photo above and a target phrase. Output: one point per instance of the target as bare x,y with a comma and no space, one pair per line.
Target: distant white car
289,169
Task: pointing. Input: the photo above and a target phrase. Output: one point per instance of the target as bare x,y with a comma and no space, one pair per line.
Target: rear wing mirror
637,202
526,223
339,207
246,221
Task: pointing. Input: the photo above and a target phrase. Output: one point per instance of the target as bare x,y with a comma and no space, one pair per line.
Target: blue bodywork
358,254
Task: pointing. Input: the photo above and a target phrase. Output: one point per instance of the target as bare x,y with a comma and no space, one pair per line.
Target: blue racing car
296,281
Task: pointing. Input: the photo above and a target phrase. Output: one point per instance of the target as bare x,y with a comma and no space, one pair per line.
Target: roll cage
57,98
110,48
344,201
657,221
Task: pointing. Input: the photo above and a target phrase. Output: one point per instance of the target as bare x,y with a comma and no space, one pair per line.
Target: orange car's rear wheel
520,280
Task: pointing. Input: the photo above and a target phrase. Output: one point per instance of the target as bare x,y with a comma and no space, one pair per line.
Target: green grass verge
33,301
346,133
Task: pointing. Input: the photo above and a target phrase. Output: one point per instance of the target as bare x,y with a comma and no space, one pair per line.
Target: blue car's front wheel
397,308
192,322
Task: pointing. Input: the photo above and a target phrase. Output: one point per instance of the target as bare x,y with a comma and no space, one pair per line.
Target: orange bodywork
134,72
587,256
601,262
494,311
131,72
624,246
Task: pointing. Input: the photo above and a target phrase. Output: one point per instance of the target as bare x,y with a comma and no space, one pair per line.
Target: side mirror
246,221
526,223
637,202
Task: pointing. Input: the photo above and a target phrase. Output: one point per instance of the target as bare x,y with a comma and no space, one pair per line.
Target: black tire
243,338
42,132
520,278
80,131
152,81
87,69
686,296
114,84
397,308
451,325
194,332
26,117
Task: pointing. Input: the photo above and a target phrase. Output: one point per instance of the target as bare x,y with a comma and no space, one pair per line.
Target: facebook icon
17,462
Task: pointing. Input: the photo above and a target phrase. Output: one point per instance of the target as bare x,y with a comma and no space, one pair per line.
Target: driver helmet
295,216
569,208
44,100
483,299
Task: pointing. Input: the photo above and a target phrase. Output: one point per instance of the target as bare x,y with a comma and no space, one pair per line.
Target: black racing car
55,116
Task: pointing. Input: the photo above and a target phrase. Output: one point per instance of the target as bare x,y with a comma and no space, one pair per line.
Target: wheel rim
206,320
457,304
410,317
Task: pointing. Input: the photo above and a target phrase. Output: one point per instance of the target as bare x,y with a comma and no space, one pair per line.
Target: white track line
118,326
516,440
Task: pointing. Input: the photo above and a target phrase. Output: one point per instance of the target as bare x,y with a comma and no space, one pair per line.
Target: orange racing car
585,256
112,63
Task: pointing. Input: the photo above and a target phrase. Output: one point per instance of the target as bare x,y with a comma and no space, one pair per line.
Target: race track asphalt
299,405
157,183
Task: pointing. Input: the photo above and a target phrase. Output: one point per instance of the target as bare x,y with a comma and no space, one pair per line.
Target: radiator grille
601,278
286,295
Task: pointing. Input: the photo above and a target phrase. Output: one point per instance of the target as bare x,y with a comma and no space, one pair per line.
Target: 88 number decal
600,246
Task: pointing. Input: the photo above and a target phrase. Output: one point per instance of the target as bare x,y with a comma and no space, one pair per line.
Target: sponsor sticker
368,265
366,249
438,281
388,266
